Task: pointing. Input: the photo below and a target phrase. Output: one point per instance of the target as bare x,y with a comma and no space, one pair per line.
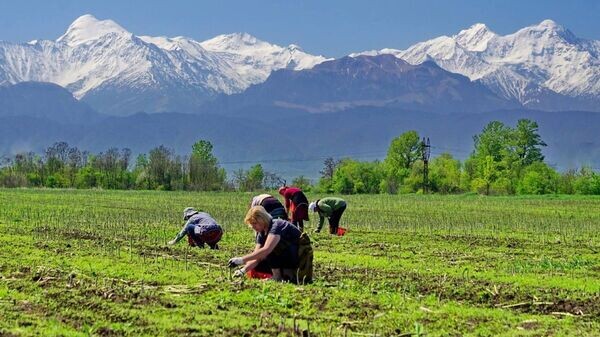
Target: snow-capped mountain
120,73
538,65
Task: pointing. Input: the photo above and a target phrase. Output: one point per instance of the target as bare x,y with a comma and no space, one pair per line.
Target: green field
95,263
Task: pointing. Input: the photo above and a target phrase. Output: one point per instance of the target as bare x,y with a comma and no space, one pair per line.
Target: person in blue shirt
200,228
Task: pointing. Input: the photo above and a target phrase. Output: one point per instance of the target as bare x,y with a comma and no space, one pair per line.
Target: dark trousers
334,220
299,224
285,255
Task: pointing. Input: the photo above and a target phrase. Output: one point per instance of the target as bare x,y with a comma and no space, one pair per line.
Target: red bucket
341,231
259,275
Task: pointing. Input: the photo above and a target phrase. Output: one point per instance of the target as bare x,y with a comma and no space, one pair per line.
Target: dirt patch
473,291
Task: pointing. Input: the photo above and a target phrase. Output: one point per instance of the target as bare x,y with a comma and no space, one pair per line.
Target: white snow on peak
545,55
87,28
162,42
548,23
95,54
240,42
255,59
475,38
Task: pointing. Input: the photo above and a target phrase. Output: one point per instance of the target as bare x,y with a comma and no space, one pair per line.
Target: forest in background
505,161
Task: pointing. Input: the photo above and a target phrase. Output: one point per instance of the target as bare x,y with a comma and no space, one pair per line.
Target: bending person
296,205
200,229
330,208
271,204
277,243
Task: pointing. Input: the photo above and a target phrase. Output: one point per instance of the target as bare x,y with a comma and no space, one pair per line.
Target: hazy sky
330,28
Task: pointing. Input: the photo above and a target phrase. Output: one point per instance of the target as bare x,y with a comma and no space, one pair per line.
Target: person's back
331,208
328,205
296,205
202,218
200,228
271,204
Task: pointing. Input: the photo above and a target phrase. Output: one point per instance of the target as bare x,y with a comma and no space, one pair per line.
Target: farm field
79,263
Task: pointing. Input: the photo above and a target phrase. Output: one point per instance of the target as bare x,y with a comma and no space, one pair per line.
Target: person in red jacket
296,205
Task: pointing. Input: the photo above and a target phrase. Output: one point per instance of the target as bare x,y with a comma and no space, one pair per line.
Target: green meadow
93,262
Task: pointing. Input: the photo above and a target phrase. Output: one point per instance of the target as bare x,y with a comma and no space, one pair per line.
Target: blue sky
330,28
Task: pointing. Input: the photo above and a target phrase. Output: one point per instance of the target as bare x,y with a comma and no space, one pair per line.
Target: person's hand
172,242
235,261
239,272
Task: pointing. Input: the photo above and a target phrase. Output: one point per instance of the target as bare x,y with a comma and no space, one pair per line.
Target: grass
78,263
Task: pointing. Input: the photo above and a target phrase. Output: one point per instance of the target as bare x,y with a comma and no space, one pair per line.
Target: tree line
63,166
504,161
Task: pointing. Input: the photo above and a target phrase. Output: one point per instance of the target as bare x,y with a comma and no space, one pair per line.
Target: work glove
172,242
239,272
234,262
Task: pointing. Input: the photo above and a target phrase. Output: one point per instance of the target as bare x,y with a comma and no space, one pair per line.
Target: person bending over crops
271,205
330,208
296,205
200,229
276,250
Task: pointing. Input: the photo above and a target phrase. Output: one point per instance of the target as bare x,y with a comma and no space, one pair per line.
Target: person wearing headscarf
200,228
296,205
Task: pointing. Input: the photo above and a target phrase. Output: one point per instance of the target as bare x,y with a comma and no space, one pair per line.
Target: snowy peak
233,42
256,59
87,28
117,72
549,24
475,38
536,62
547,29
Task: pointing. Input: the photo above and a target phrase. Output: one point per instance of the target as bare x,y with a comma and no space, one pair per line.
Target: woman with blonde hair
276,249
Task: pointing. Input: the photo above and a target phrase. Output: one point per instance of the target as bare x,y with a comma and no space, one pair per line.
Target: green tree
404,150
302,183
528,142
325,182
445,174
357,177
165,170
566,182
538,178
587,182
250,180
204,172
256,174
492,159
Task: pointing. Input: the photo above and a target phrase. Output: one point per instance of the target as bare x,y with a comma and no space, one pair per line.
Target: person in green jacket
329,207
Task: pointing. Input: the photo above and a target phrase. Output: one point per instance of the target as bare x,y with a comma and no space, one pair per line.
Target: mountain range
544,66
119,73
99,85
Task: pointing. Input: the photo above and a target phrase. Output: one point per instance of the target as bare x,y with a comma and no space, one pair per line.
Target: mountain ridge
98,58
537,63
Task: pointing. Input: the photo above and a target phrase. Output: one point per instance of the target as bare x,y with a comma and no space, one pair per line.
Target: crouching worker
296,204
200,229
271,204
330,208
281,249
